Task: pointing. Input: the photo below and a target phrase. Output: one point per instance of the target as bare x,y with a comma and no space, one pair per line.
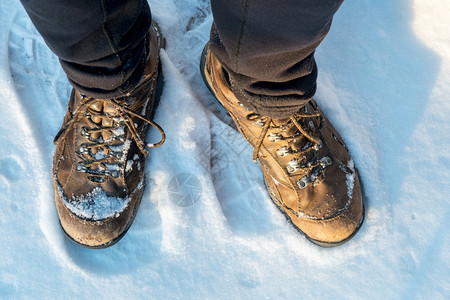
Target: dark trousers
266,46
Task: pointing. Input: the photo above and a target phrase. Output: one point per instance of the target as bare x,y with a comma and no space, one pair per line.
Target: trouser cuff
275,100
108,83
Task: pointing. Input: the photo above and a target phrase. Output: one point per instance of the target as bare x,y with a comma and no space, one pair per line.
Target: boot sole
316,242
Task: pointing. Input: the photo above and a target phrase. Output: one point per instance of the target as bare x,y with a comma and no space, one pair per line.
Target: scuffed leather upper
98,165
328,208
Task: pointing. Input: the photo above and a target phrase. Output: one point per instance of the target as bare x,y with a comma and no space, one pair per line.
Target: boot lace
312,168
106,134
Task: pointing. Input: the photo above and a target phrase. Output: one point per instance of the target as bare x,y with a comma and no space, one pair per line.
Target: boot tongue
102,119
108,108
289,129
298,142
97,106
286,127
280,122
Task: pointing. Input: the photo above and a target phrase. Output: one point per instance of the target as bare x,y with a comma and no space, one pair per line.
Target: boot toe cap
96,228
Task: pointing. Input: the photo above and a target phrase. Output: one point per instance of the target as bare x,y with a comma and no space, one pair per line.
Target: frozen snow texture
384,81
97,205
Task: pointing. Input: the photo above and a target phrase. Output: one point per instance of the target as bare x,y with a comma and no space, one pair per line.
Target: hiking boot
307,169
99,161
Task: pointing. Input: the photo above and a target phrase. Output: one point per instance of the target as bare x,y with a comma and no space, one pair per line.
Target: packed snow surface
206,228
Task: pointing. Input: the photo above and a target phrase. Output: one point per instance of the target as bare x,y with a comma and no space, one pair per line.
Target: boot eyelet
84,149
274,137
283,151
293,166
318,145
259,123
303,182
325,161
85,133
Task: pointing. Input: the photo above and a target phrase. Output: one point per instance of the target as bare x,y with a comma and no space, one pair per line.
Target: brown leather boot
99,161
307,169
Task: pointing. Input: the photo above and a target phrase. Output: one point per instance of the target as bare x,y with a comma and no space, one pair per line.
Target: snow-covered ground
206,228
